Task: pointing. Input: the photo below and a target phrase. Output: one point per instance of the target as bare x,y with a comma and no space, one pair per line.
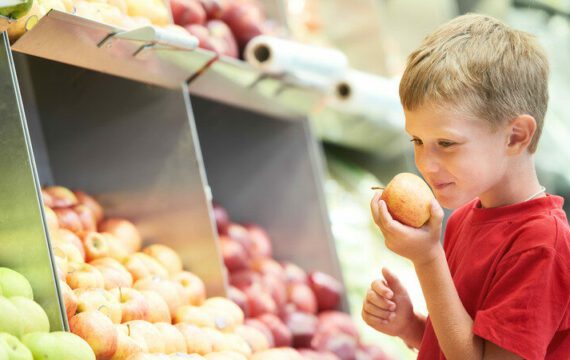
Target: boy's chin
452,203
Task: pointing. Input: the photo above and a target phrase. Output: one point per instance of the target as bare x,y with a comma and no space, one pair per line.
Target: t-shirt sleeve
526,303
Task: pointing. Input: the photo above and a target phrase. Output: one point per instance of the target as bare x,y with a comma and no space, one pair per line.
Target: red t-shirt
510,266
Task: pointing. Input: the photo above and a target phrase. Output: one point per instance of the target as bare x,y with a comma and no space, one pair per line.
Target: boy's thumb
393,281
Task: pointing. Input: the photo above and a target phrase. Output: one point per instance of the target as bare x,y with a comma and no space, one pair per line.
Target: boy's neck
518,184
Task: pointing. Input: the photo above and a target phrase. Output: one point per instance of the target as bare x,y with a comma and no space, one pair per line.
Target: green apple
13,283
10,320
59,345
15,349
3,350
34,318
15,9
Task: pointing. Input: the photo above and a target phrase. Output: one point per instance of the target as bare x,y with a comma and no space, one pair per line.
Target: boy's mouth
441,185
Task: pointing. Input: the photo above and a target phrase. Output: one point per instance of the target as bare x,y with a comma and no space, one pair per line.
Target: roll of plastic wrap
279,56
369,94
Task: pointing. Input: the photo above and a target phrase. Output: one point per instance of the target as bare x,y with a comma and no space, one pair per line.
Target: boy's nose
428,164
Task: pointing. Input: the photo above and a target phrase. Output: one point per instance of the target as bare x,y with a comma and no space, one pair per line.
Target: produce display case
136,148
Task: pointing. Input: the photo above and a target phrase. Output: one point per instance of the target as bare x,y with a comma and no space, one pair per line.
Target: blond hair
483,67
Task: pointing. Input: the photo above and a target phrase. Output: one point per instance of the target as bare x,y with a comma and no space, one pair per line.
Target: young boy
475,95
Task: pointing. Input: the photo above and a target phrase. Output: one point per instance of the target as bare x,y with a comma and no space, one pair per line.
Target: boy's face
460,157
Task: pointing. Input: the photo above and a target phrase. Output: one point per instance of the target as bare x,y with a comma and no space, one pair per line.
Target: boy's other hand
419,245
388,308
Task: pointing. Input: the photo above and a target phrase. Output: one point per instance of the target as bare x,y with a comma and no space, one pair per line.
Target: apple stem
378,188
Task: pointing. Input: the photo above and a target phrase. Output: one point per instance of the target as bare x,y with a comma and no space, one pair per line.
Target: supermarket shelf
88,44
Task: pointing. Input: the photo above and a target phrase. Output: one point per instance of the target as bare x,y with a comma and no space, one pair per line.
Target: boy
474,96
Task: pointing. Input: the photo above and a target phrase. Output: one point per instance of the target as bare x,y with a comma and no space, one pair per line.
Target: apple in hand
32,315
12,349
100,300
166,256
327,289
12,283
82,275
408,199
59,345
97,330
133,304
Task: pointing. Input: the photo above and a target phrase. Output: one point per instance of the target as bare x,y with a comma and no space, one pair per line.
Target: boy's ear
520,132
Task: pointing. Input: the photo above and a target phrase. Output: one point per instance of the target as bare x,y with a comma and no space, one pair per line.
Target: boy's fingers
381,289
436,211
374,206
393,281
373,320
373,310
379,301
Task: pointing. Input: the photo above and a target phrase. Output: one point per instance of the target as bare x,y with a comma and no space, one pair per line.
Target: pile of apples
222,26
123,14
291,307
25,329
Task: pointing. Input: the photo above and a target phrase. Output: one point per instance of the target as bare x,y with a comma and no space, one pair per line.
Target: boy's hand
387,307
418,245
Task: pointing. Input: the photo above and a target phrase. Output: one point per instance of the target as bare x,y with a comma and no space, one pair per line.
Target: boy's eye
416,141
445,143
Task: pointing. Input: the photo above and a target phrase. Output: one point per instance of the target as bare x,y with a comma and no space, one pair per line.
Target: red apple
234,254
98,331
91,203
158,309
259,301
69,299
86,216
133,304
277,288
114,274
127,347
327,289
238,233
68,219
303,327
169,290
239,297
243,279
261,241
220,214
371,352
193,288
213,8
141,265
185,12
166,256
61,197
336,321
147,333
259,325
206,42
268,266
99,300
124,230
245,19
174,341
309,354
81,275
281,334
302,297
342,345
294,273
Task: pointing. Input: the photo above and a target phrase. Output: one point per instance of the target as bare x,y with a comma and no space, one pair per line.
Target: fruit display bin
156,156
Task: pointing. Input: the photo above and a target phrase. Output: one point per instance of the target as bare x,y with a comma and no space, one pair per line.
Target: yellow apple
408,199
